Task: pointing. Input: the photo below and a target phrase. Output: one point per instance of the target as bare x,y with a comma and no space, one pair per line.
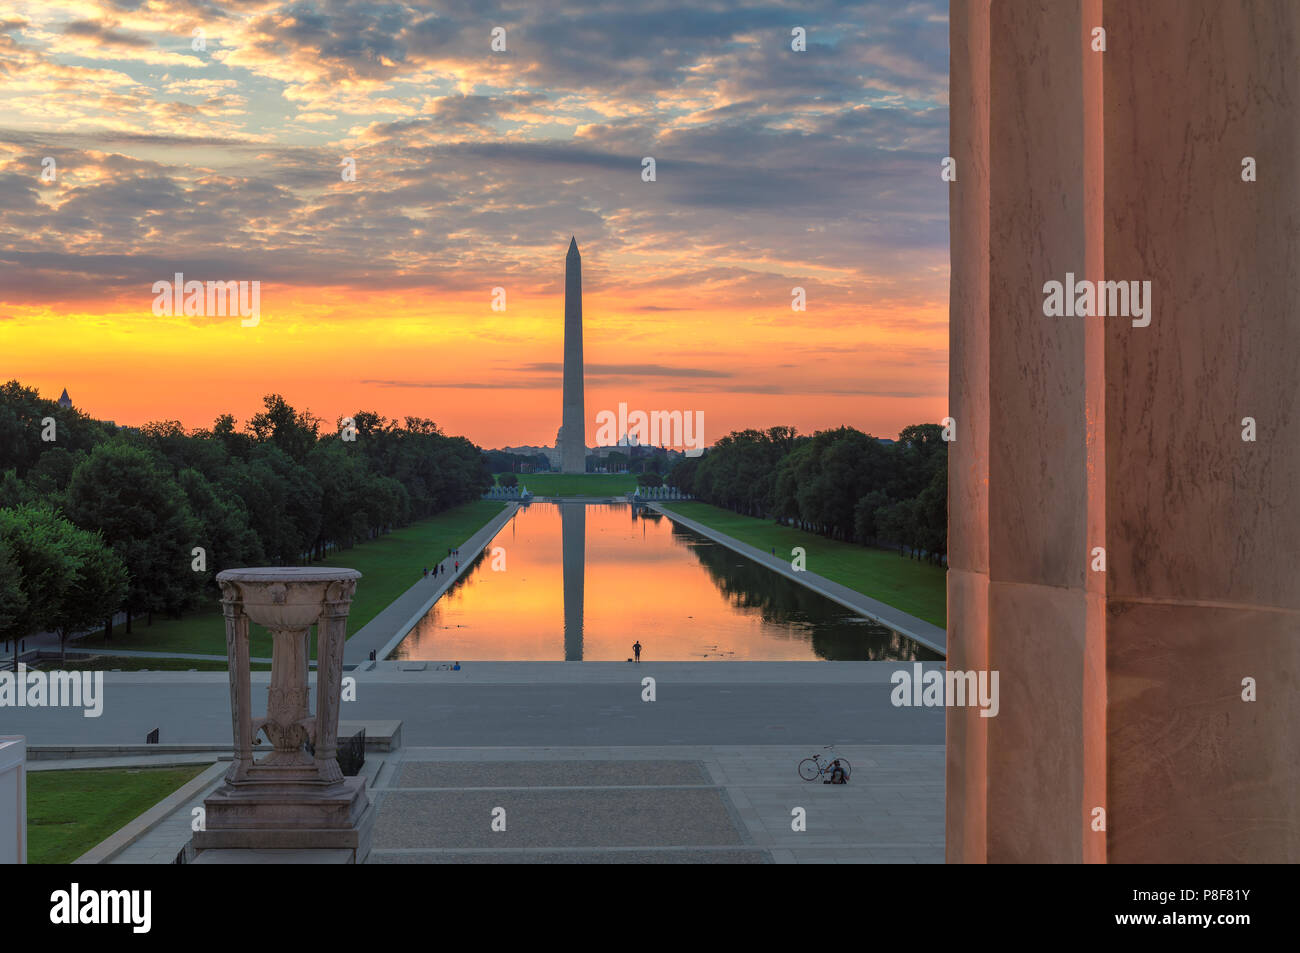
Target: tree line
843,484
96,519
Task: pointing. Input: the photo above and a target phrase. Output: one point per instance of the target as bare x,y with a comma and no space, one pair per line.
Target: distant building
64,400
550,453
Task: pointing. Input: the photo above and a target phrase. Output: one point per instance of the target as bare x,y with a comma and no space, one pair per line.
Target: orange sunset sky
218,154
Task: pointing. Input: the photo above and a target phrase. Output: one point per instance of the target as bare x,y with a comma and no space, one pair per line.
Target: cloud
628,370
774,168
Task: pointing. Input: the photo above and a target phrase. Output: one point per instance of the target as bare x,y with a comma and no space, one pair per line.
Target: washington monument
572,442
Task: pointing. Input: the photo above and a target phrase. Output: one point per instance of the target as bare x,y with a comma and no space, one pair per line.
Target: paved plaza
489,704
585,770
648,804
659,804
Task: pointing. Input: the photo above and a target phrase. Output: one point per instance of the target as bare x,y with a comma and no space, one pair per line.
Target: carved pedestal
289,799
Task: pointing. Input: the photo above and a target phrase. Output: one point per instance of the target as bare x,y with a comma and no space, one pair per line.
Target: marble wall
1122,689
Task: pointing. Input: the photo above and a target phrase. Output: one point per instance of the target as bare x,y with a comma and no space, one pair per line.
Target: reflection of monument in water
571,441
573,548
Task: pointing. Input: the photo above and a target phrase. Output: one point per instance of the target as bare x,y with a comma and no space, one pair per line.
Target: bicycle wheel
809,770
848,768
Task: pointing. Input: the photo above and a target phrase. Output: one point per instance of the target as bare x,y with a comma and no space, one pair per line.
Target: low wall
13,799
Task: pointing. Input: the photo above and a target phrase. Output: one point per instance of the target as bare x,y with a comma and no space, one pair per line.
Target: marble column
237,658
1121,689
331,634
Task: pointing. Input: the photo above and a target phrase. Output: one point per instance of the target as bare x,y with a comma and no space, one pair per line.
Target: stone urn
290,798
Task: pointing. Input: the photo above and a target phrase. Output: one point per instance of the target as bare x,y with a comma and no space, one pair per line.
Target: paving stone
657,817
712,856
508,774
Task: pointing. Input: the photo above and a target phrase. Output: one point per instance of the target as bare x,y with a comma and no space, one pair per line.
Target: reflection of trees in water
836,633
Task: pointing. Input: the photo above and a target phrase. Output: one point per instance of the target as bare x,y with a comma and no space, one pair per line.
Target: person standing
636,650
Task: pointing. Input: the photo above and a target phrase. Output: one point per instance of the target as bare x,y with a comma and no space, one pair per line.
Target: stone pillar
331,634
1121,689
241,708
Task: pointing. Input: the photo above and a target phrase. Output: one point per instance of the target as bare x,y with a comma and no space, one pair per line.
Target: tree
682,476
344,501
283,501
865,525
13,601
650,479
13,491
72,579
23,427
224,531
897,523
508,479
932,511
124,492
236,444
97,587
167,440
389,504
49,475
740,471
45,569
292,431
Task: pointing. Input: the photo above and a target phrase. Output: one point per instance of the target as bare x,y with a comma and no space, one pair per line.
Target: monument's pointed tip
573,245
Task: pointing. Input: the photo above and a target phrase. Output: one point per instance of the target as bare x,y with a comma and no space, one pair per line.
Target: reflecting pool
572,581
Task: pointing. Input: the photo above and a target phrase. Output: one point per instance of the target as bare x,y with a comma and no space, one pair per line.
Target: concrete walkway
556,703
383,633
136,653
928,634
659,804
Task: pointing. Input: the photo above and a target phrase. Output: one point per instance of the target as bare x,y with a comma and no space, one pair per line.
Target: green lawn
577,484
69,812
917,588
389,566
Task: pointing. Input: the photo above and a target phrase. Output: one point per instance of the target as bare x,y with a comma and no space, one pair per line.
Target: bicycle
810,769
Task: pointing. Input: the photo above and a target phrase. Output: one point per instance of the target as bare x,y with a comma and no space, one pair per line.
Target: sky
142,138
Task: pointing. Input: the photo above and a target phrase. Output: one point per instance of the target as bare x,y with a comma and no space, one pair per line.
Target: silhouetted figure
636,650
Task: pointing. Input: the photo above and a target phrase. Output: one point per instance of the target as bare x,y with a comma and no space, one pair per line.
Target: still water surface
583,582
